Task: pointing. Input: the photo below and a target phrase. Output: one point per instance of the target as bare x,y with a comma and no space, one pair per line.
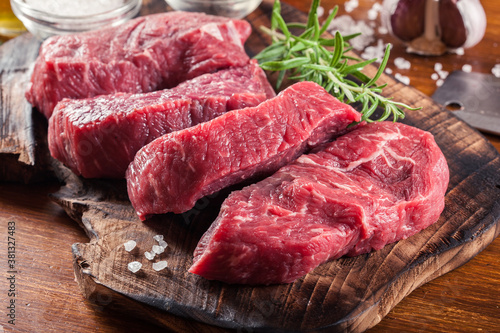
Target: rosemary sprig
311,57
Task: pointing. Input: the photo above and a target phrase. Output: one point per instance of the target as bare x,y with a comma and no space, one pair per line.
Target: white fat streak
233,33
213,30
393,154
382,139
306,160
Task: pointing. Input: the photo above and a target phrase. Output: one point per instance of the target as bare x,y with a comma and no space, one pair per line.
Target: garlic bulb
432,27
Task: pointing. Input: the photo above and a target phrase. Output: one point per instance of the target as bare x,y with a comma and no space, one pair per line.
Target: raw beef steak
145,54
98,137
171,173
375,185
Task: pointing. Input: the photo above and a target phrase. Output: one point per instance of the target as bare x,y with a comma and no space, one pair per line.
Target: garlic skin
433,27
474,19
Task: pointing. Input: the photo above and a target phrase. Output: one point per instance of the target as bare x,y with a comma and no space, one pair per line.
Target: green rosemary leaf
351,36
327,61
284,64
357,67
329,19
381,67
271,52
312,17
337,52
275,13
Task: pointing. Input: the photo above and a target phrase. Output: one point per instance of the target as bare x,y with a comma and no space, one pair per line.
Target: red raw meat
98,137
145,54
373,186
172,172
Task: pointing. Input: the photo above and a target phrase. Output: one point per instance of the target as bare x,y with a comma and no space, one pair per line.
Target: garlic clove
406,18
430,42
432,27
451,23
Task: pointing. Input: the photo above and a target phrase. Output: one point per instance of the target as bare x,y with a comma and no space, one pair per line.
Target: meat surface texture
145,54
378,184
98,137
171,173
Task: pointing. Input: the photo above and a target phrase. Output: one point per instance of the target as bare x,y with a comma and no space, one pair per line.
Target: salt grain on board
134,266
158,266
351,5
346,25
373,12
158,249
320,11
496,70
402,63
129,245
402,78
467,68
149,255
376,51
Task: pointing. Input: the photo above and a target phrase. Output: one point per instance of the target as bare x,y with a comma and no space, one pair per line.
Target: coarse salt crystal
129,245
158,266
158,238
163,244
402,78
438,66
435,76
377,51
134,266
460,51
388,70
496,70
439,82
383,30
149,255
320,11
350,5
443,74
372,14
158,249
402,63
467,68
346,25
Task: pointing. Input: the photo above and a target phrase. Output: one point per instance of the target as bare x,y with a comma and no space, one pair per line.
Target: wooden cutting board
345,295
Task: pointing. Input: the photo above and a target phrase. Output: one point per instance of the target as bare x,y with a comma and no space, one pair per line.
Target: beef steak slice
145,54
378,184
171,173
98,137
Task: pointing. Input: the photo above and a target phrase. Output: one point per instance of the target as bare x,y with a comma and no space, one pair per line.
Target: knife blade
475,96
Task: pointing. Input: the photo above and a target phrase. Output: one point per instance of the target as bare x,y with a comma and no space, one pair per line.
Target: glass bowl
56,17
229,8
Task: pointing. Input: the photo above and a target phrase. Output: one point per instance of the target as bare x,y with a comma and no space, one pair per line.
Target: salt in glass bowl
229,8
44,18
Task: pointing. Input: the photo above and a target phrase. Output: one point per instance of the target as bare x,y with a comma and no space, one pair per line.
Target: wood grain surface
466,298
23,154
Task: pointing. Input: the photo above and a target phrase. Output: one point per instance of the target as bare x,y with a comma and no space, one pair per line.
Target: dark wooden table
48,300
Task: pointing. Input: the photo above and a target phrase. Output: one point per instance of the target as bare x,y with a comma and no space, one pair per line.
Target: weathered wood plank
23,152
